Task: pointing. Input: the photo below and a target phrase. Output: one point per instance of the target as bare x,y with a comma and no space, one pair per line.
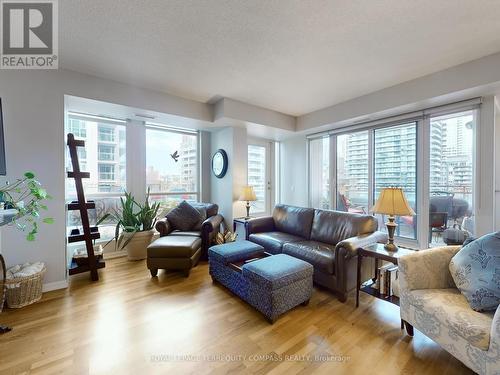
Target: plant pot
137,247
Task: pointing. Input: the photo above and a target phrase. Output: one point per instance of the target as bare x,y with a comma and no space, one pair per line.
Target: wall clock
219,163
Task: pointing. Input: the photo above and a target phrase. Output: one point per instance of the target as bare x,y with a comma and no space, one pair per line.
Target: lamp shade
247,194
392,201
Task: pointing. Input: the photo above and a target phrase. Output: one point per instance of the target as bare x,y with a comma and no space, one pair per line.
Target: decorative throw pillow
476,272
184,217
203,214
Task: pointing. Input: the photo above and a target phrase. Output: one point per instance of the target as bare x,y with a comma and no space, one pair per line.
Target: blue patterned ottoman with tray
273,284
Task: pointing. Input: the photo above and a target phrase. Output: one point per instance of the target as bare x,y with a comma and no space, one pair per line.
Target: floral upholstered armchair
431,302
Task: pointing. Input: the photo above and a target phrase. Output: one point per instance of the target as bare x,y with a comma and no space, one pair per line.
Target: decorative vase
137,247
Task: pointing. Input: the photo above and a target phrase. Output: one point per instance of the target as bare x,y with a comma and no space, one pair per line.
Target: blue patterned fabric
272,302
234,251
476,272
277,271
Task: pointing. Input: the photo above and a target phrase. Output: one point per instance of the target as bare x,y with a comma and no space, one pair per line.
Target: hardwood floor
128,323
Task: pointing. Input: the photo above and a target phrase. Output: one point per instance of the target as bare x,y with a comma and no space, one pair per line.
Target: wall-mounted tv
3,167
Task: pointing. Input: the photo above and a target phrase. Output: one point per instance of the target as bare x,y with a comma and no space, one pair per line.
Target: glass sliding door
395,164
451,177
352,172
319,173
258,177
439,183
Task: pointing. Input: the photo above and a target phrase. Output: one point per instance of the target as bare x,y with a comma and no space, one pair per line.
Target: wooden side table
239,227
378,252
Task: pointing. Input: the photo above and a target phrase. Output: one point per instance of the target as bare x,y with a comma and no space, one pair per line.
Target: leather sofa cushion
334,226
293,220
273,241
321,255
173,246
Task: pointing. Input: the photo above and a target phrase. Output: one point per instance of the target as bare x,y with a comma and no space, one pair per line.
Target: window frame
168,129
268,183
422,197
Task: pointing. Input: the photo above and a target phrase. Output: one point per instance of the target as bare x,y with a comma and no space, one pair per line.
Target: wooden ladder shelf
82,205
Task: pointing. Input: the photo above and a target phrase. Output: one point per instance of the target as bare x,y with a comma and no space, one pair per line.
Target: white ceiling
293,56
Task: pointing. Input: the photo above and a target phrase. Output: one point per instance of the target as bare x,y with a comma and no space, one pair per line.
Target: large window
365,160
99,156
352,172
104,157
105,152
77,128
106,133
395,155
106,172
319,173
257,177
451,173
172,165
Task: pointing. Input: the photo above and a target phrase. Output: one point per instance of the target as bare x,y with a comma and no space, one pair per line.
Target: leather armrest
163,227
259,225
212,223
349,247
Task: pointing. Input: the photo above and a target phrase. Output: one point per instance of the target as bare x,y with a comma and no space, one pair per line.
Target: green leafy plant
132,218
27,196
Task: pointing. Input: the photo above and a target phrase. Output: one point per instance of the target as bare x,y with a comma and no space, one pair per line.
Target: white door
259,176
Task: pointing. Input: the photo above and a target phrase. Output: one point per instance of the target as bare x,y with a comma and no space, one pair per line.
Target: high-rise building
188,159
103,155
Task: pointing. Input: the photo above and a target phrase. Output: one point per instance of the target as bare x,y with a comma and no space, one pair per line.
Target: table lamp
248,195
392,201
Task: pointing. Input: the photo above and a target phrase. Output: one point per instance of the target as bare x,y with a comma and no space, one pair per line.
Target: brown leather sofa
181,250
326,239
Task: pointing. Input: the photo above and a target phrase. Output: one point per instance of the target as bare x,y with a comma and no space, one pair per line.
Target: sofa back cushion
334,226
184,217
211,208
293,220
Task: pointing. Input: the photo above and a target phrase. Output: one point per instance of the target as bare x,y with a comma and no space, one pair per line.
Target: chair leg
305,303
409,329
154,272
342,297
186,272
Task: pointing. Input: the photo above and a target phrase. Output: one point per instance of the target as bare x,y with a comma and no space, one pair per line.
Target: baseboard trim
63,284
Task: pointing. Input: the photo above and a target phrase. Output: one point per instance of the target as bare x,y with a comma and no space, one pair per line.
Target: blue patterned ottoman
273,284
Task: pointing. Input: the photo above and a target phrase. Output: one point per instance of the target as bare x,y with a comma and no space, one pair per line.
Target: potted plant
26,198
136,223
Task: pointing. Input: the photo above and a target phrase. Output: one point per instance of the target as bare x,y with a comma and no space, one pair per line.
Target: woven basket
24,291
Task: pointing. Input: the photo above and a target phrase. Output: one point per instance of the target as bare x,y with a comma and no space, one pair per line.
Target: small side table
378,252
239,227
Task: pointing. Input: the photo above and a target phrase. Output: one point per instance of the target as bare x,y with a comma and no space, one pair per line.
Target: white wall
293,174
474,78
225,191
33,110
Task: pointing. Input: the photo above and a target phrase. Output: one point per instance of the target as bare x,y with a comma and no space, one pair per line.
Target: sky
159,145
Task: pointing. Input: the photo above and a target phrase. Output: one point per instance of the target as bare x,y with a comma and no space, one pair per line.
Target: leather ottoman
174,253
273,284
